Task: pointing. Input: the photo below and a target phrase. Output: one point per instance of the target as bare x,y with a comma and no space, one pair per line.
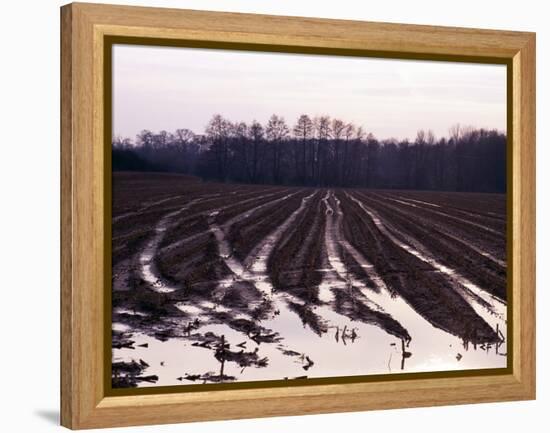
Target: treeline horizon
323,152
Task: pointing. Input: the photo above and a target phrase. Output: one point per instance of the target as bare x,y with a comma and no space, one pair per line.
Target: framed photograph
266,215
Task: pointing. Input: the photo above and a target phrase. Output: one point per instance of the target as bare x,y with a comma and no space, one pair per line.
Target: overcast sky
161,88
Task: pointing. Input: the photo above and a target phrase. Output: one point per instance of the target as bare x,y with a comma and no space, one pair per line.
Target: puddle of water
406,203
330,240
259,263
149,272
129,312
207,305
462,211
120,327
420,202
146,259
325,293
342,277
428,342
439,227
373,351
213,213
256,272
152,204
333,353
171,359
491,309
190,310
446,215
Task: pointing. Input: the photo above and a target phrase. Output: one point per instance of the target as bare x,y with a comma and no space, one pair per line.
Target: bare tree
322,132
184,137
145,139
276,132
303,130
183,140
240,133
121,143
372,161
322,152
357,159
349,131
218,130
256,133
338,128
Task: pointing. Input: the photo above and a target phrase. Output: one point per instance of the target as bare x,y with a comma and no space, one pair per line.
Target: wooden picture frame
85,28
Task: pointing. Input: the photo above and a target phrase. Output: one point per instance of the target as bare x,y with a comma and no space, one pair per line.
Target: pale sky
163,88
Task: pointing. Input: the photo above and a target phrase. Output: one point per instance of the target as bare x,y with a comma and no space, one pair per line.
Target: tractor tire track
486,305
486,271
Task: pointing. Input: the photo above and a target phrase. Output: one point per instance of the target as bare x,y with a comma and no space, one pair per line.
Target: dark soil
429,293
188,258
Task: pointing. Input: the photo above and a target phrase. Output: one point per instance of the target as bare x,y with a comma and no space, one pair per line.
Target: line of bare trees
322,151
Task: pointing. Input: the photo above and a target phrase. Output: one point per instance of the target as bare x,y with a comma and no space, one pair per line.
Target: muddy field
220,283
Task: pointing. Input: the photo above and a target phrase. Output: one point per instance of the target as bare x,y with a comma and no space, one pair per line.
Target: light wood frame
84,26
